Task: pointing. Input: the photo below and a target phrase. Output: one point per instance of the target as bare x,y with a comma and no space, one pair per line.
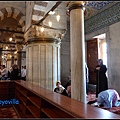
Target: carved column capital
52,33
30,33
19,47
76,5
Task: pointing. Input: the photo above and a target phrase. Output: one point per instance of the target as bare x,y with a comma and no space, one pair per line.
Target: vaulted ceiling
93,7
13,17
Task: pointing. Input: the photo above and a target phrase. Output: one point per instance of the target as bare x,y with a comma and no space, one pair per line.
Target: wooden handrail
68,105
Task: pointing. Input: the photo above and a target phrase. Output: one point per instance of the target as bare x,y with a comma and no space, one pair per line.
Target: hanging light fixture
10,39
6,47
50,23
15,52
58,16
42,29
51,13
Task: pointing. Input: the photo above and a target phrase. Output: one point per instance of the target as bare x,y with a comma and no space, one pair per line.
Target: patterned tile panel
105,18
98,4
36,12
42,3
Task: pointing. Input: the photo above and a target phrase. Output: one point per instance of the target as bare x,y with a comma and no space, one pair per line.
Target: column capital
35,32
19,47
76,5
43,40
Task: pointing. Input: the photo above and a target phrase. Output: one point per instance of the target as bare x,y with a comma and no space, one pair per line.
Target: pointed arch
14,13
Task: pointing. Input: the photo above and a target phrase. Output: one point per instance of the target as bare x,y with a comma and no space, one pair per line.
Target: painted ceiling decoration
42,3
98,5
42,8
13,12
39,13
103,19
95,7
12,24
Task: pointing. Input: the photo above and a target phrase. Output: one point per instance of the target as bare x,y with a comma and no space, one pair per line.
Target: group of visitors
107,98
13,74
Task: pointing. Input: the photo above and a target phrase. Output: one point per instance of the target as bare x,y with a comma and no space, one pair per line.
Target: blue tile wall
98,5
103,19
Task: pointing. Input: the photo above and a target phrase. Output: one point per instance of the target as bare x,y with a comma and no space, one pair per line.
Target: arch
14,13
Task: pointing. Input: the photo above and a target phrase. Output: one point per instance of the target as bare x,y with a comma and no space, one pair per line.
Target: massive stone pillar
43,57
23,62
77,46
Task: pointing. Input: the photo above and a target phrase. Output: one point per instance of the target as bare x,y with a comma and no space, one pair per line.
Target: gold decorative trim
75,6
43,40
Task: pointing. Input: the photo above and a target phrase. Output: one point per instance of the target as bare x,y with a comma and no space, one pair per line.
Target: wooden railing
38,102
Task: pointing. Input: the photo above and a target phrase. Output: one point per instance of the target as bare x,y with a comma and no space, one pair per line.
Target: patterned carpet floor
7,112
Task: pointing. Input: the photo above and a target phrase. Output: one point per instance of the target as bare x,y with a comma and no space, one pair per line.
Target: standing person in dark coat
102,83
14,73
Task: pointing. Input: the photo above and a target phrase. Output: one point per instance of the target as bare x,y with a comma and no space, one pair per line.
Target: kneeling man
108,98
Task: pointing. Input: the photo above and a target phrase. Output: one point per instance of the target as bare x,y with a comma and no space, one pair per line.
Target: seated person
69,91
60,89
68,84
4,72
108,98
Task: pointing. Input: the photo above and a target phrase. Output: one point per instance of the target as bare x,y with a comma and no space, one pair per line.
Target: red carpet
7,112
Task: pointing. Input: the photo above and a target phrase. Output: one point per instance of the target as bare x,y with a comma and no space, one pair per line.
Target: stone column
23,63
43,62
77,46
43,58
19,52
12,58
